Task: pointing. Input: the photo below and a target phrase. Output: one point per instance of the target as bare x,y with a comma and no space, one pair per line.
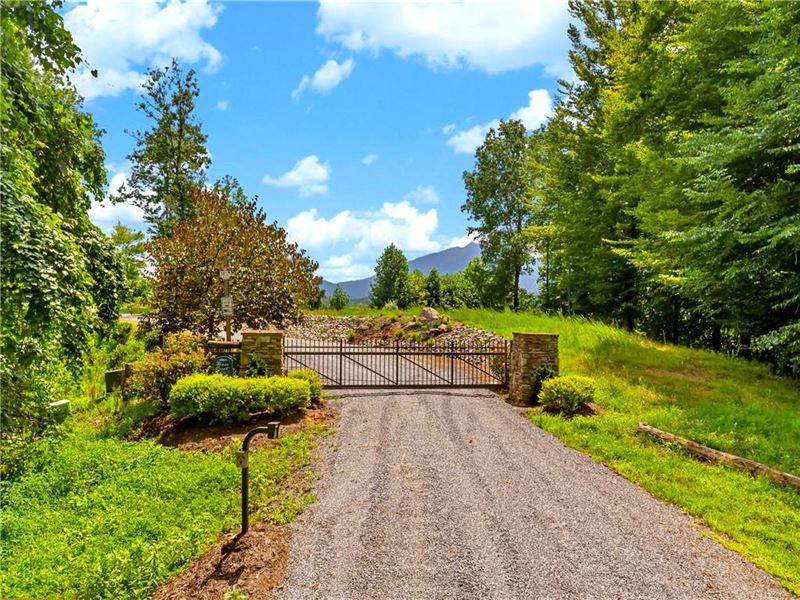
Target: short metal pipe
243,462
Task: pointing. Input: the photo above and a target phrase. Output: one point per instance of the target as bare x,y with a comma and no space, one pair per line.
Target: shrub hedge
232,399
567,394
313,379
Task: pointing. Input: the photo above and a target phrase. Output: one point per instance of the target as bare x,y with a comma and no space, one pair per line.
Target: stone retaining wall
267,344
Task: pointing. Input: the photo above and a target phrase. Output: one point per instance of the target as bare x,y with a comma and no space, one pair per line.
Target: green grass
98,517
729,404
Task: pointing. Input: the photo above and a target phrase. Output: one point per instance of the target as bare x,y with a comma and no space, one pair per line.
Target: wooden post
717,456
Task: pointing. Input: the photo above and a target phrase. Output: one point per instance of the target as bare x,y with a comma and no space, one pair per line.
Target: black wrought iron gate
400,364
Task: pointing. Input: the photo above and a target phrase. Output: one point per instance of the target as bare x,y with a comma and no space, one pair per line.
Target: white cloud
465,142
221,105
308,175
464,240
106,214
537,111
492,36
424,194
369,159
122,39
540,107
327,77
343,268
449,128
395,223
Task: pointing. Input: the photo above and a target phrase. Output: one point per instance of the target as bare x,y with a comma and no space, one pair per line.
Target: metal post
242,461
452,363
397,362
341,361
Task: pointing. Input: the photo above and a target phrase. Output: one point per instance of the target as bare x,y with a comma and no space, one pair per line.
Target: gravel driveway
455,495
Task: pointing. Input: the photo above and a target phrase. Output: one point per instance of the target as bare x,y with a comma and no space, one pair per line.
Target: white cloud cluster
538,109
122,39
492,36
308,175
221,105
424,194
343,268
105,214
327,77
397,223
369,159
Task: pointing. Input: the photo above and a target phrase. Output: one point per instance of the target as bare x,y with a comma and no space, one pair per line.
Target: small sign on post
225,273
227,306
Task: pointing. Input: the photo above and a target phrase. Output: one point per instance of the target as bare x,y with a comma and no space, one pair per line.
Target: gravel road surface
454,495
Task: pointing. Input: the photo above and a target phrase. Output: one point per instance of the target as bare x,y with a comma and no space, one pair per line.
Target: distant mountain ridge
446,262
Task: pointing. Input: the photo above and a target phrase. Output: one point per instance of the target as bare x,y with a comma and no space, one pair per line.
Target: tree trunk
517,271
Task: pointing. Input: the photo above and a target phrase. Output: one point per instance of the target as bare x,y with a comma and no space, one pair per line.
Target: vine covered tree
391,279
499,199
60,278
170,159
271,278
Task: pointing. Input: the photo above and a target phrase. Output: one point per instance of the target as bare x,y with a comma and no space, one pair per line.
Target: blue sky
351,121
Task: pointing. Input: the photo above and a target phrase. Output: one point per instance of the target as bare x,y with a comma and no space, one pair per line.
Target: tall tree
131,248
59,276
391,279
170,159
271,278
499,200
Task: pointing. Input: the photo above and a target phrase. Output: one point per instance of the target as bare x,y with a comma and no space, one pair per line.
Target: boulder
430,314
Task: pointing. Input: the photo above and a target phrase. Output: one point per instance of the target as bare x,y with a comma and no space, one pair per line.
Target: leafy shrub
390,305
313,379
541,374
232,399
567,394
183,354
350,336
257,367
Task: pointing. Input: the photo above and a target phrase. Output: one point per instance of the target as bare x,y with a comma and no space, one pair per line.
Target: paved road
455,495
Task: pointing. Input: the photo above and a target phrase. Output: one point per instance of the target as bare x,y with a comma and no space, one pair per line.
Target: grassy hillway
729,404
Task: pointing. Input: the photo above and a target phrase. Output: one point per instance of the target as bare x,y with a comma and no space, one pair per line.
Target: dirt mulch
197,436
254,564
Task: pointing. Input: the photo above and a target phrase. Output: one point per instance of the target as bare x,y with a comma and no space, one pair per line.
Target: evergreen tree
339,298
433,287
391,279
170,159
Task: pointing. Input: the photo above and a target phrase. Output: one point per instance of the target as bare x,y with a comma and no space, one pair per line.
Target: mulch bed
254,564
215,437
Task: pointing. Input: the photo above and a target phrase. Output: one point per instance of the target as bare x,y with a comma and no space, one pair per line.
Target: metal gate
400,364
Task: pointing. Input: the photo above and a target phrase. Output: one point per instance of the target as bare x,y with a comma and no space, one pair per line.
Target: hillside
451,260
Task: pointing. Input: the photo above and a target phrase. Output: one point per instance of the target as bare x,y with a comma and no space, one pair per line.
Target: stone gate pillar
265,343
529,351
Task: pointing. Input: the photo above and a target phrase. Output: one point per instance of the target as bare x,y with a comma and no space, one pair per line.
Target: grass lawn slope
101,517
729,404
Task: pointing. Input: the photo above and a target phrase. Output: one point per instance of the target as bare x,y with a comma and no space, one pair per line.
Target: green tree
170,159
499,199
339,298
59,276
416,288
391,279
131,249
271,278
433,287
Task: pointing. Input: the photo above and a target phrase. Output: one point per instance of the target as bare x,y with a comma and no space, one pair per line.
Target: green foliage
566,394
153,377
391,279
233,399
60,281
500,196
131,250
433,288
170,160
339,298
127,516
540,375
314,382
257,366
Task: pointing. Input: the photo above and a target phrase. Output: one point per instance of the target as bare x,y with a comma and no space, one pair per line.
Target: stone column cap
258,331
